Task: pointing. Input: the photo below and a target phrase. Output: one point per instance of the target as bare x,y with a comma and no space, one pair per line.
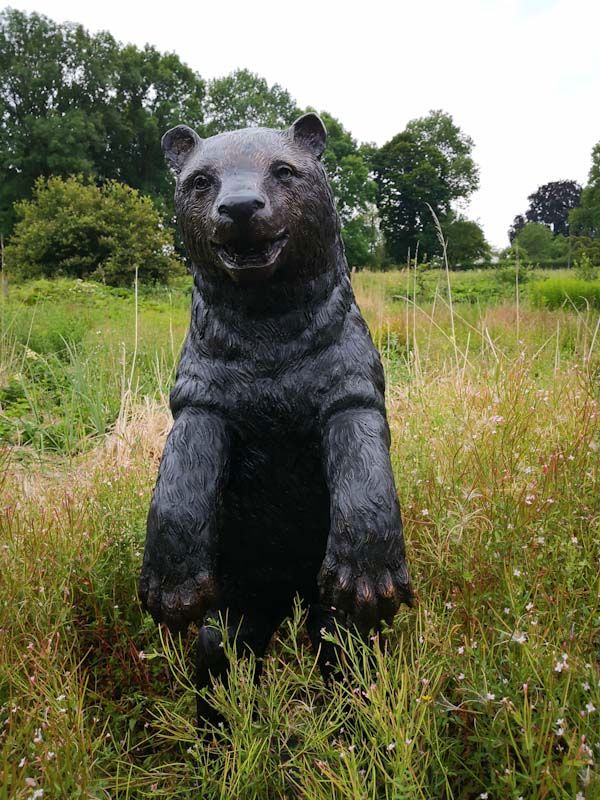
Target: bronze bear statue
276,478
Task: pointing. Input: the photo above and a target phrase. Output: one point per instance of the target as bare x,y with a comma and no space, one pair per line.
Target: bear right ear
177,144
309,132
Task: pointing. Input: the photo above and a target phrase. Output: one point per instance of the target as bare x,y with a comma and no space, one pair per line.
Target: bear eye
284,172
202,183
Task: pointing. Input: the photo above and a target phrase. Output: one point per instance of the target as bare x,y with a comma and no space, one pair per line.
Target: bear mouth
251,255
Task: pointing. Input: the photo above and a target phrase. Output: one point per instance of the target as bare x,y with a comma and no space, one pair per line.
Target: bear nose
240,207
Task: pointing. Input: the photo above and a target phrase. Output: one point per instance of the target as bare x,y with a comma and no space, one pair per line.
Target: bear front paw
365,594
179,605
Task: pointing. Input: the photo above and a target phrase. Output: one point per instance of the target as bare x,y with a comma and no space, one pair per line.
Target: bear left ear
310,133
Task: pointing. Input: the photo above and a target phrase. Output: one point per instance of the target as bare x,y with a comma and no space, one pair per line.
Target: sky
521,77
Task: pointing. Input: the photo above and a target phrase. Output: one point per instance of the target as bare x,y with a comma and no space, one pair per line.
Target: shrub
77,229
584,269
556,292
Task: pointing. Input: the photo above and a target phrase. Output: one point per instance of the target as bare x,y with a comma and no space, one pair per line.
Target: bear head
254,204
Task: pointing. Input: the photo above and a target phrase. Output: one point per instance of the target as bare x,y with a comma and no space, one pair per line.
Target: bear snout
240,207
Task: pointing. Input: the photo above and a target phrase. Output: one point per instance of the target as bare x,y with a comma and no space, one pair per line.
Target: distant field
490,688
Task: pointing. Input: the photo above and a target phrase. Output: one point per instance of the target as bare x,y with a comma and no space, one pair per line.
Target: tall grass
490,688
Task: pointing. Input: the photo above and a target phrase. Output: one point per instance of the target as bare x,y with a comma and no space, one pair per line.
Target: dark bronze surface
276,477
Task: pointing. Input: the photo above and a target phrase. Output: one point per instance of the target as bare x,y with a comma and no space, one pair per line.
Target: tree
243,100
426,167
151,92
551,204
72,227
354,190
585,220
517,226
438,130
76,103
466,242
534,242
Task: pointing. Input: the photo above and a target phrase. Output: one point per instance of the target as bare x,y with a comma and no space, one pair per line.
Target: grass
489,688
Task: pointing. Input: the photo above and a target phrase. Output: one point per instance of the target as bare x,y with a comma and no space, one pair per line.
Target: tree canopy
549,205
76,103
585,220
428,167
243,100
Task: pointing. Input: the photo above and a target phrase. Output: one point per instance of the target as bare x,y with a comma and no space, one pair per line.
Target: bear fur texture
276,478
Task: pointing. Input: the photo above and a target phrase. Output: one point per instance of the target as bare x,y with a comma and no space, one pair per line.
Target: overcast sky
521,77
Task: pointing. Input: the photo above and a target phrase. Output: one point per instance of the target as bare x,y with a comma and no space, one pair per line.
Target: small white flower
585,686
391,746
574,540
590,708
50,755
461,676
484,795
519,636
37,738
517,573
562,664
580,796
490,696
60,697
529,606
506,610
22,762
449,605
461,650
425,512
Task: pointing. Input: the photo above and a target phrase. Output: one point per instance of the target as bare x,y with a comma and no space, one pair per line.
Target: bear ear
310,133
177,144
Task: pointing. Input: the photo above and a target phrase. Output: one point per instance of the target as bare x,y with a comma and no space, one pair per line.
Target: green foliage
438,130
534,242
491,685
466,242
551,203
78,103
67,356
428,165
354,190
584,269
585,246
567,293
243,100
360,237
74,228
585,220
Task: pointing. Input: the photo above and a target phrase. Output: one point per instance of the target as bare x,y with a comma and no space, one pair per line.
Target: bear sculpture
276,479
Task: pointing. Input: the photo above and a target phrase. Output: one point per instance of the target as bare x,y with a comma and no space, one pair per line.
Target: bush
77,229
556,292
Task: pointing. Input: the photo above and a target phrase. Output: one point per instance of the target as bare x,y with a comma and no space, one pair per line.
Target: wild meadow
489,688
